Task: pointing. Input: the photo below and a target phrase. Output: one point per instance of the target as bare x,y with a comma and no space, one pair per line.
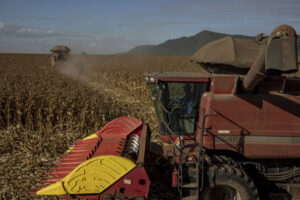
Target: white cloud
22,31
34,31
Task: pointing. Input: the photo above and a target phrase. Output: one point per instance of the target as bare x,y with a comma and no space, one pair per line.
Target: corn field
43,110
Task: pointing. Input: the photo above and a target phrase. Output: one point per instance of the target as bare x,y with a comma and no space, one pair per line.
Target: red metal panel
135,183
120,127
295,148
255,125
258,115
223,84
274,150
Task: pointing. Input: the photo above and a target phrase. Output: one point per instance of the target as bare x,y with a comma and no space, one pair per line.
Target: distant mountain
184,46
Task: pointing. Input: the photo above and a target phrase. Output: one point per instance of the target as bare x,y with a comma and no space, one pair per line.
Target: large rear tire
107,197
227,182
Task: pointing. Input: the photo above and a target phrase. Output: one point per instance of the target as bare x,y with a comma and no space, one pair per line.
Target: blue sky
111,26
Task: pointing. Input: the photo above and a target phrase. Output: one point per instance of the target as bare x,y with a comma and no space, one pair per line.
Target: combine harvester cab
106,165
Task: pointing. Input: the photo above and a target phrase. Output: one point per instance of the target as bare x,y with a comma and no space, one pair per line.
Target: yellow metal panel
92,176
53,189
91,136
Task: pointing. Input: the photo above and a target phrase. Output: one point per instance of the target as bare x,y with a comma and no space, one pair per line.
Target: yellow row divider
91,177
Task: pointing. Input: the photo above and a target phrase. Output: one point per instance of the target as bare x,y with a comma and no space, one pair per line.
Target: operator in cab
186,101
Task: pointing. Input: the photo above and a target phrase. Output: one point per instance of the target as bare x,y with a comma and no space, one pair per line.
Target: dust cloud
75,66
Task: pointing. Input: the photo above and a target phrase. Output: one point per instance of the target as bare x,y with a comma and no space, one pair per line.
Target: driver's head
187,88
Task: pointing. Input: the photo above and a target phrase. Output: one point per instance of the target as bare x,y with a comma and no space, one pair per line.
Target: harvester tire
220,160
107,197
227,182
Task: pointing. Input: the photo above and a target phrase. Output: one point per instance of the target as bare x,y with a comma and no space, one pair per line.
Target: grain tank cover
237,52
60,48
281,50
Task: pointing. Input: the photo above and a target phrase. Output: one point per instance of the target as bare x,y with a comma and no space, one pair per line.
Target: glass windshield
177,106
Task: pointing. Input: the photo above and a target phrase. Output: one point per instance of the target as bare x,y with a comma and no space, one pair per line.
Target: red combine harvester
59,55
231,136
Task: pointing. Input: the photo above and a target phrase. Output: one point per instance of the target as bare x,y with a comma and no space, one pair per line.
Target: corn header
105,165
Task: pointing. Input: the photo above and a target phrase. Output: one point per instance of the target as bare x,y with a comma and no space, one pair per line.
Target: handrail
201,152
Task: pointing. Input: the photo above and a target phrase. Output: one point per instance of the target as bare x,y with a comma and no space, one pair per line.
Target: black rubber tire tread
107,197
234,177
223,160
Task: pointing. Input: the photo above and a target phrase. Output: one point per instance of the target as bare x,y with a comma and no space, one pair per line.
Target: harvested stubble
42,111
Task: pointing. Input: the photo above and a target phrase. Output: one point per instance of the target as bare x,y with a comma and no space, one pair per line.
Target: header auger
233,136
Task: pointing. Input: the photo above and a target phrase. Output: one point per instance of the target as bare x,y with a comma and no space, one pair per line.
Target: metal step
190,198
189,181
190,185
